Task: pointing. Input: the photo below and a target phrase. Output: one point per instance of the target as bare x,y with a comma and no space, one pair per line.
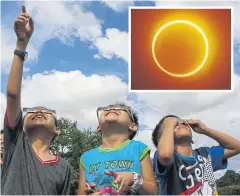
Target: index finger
23,9
191,121
111,173
88,190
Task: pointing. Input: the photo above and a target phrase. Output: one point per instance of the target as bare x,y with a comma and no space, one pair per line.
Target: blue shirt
190,175
125,158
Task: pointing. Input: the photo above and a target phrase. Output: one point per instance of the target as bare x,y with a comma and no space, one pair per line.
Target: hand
89,189
24,26
197,126
123,179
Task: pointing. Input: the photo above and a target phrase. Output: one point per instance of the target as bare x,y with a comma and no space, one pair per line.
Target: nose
183,125
112,109
39,111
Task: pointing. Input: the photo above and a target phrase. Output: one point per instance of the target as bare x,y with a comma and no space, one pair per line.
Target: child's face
182,130
39,117
120,115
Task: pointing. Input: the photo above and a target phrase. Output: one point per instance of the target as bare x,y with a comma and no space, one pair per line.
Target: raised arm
165,146
23,27
231,145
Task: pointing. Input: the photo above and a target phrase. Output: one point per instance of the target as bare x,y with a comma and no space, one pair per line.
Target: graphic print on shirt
105,183
198,178
111,165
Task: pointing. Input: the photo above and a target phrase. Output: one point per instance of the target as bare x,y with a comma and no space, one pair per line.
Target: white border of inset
174,91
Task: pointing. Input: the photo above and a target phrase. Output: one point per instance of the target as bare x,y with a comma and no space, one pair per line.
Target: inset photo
180,49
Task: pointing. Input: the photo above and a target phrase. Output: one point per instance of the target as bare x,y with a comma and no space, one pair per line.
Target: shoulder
219,150
89,153
140,148
137,143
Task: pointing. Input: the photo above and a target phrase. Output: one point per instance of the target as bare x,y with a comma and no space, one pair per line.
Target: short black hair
135,117
157,132
1,131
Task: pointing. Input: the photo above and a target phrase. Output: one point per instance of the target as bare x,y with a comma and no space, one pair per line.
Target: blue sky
78,58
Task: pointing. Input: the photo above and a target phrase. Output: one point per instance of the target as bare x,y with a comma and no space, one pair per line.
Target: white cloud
114,44
63,20
8,45
119,6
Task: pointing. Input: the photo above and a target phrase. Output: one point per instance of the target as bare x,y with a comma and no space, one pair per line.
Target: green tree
72,143
229,178
229,184
229,190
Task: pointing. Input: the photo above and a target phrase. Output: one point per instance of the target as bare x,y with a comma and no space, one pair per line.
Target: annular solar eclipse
192,25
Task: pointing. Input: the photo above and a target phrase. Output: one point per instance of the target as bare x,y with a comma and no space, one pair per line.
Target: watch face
140,179
25,56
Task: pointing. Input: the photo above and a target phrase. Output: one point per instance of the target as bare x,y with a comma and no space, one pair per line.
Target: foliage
71,144
229,184
229,190
230,178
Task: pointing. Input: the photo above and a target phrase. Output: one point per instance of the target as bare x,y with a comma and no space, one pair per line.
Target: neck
184,149
113,140
40,142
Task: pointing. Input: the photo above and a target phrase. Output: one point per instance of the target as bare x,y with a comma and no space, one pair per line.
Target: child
120,165
180,169
29,167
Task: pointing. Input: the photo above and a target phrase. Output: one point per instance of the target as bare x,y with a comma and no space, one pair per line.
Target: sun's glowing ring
184,22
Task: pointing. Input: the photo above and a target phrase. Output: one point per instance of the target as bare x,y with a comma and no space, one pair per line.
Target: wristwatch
23,55
137,182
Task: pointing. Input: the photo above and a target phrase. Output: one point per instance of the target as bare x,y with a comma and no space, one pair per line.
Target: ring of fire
192,25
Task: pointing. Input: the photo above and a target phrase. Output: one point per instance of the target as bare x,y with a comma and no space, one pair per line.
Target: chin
182,136
110,120
37,126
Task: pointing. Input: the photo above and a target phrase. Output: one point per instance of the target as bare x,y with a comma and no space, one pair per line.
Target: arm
82,181
149,186
83,189
23,28
231,145
14,88
165,146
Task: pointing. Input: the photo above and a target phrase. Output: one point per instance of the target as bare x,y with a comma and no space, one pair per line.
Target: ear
133,127
98,129
57,131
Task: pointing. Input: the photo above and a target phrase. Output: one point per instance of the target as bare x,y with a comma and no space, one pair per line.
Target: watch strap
20,53
137,182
